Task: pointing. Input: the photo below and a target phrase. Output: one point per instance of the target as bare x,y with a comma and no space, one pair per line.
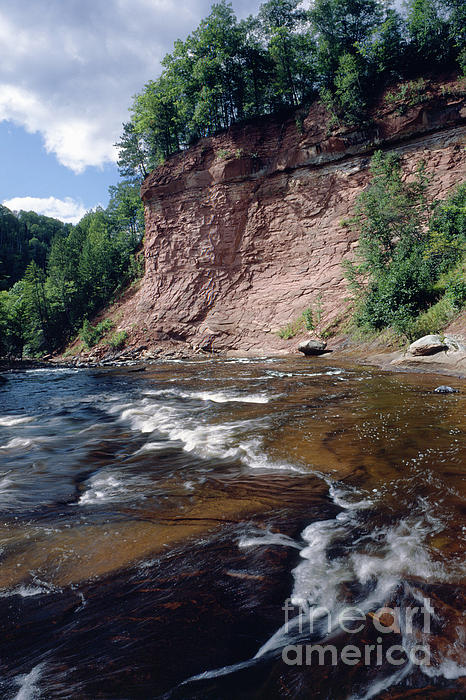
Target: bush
433,320
400,269
118,340
396,297
291,329
409,95
91,335
456,293
308,319
305,321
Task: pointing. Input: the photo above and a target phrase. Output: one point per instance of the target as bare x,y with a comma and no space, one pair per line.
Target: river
229,529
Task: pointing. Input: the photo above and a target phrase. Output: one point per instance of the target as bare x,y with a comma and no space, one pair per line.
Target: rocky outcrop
448,358
427,345
247,229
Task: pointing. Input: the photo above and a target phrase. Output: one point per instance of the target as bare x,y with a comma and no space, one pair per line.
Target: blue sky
68,72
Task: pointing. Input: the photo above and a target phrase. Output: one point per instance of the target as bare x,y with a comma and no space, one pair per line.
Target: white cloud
69,69
68,210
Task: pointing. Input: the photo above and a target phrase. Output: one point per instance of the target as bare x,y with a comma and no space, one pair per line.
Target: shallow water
186,531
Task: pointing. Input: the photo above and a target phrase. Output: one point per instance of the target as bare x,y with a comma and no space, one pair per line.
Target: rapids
191,530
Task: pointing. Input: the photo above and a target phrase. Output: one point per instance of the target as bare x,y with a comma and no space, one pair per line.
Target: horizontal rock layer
247,229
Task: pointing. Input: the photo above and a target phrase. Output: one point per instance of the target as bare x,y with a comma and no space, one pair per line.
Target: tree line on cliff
229,70
55,276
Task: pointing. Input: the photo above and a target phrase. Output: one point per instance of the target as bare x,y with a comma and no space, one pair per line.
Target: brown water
174,532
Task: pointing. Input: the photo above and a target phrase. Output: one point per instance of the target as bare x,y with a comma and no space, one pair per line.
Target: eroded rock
428,345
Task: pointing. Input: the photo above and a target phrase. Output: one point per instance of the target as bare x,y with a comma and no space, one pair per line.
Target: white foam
218,672
154,446
106,487
16,443
29,591
52,370
268,538
214,396
316,579
5,484
381,684
345,498
29,689
448,668
8,421
207,440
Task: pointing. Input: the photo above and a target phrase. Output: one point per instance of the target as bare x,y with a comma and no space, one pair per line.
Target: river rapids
231,529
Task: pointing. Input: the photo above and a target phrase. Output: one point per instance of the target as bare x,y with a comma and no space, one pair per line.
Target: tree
37,307
126,211
384,49
391,277
290,48
455,12
428,34
340,27
349,89
133,157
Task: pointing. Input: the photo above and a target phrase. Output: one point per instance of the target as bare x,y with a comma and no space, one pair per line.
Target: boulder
312,347
444,389
428,345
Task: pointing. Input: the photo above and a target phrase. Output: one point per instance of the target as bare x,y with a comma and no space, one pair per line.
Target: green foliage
86,266
91,335
433,320
408,95
305,321
118,340
25,237
340,26
397,273
291,329
223,154
429,34
456,292
446,242
349,90
308,319
228,70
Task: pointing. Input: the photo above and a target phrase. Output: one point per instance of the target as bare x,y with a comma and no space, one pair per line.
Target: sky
68,72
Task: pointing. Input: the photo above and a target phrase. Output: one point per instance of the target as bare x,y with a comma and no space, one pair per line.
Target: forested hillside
25,237
55,276
341,51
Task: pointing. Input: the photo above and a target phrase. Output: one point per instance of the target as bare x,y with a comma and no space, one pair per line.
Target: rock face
247,229
312,347
428,345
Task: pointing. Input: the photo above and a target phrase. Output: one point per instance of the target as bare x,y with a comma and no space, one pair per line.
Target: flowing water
191,530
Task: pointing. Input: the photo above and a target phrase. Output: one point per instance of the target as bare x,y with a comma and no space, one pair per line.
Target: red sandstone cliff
246,229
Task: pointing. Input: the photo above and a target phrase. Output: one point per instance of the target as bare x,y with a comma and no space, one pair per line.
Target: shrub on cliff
91,335
405,252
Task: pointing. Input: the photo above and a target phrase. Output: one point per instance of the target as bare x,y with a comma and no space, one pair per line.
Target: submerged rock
428,345
444,389
312,347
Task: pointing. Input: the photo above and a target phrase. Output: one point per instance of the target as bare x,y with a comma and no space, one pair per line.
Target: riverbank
342,349
445,364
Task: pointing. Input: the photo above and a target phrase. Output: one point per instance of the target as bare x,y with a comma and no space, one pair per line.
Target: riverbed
188,529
